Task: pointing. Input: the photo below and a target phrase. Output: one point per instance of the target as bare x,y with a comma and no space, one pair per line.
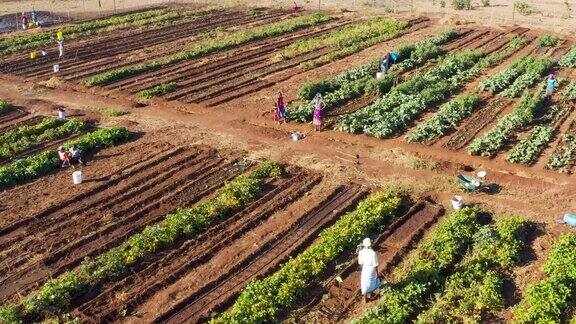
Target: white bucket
62,114
296,136
457,202
56,68
77,177
379,75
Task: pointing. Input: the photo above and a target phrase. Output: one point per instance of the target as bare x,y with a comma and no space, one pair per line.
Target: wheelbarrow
468,183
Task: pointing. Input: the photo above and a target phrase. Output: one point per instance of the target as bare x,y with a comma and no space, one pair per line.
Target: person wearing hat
369,280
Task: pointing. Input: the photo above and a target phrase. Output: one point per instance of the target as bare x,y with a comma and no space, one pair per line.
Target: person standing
551,85
280,115
317,116
368,259
24,20
60,48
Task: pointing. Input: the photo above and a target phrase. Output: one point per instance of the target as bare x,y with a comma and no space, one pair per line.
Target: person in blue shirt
551,85
387,61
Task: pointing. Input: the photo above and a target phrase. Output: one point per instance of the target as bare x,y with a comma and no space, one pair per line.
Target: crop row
344,37
563,158
474,291
57,294
522,115
569,59
158,90
361,80
25,137
503,79
570,91
449,115
43,38
209,46
47,161
424,270
397,109
262,299
392,113
532,73
549,299
528,150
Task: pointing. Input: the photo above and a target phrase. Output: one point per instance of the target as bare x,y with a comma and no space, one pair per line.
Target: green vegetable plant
5,106
209,46
26,137
570,91
549,41
522,115
58,294
449,115
533,72
549,299
361,80
41,38
528,150
344,37
158,90
37,165
563,157
424,270
503,79
569,59
397,109
474,291
262,299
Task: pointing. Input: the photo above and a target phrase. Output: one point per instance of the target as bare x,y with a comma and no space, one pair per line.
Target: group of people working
72,157
317,115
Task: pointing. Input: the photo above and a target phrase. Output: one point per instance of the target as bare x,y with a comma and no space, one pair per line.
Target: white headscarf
367,243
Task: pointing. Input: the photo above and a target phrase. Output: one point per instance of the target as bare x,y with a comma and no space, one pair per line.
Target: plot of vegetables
449,115
42,38
26,137
210,46
549,299
523,114
361,80
563,158
423,272
263,299
47,161
58,294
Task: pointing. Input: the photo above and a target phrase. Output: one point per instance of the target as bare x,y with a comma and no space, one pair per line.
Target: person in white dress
368,259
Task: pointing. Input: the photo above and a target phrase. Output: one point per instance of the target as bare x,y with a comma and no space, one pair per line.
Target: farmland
196,206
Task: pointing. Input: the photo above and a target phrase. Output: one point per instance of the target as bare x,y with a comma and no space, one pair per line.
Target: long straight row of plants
474,290
533,72
58,294
425,269
498,82
25,137
344,37
263,299
209,46
42,163
447,117
548,300
523,114
564,156
43,38
528,150
396,110
361,80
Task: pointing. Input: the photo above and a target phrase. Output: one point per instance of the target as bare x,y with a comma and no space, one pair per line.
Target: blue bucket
570,219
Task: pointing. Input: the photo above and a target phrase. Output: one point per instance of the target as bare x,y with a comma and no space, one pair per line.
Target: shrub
462,4
523,8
